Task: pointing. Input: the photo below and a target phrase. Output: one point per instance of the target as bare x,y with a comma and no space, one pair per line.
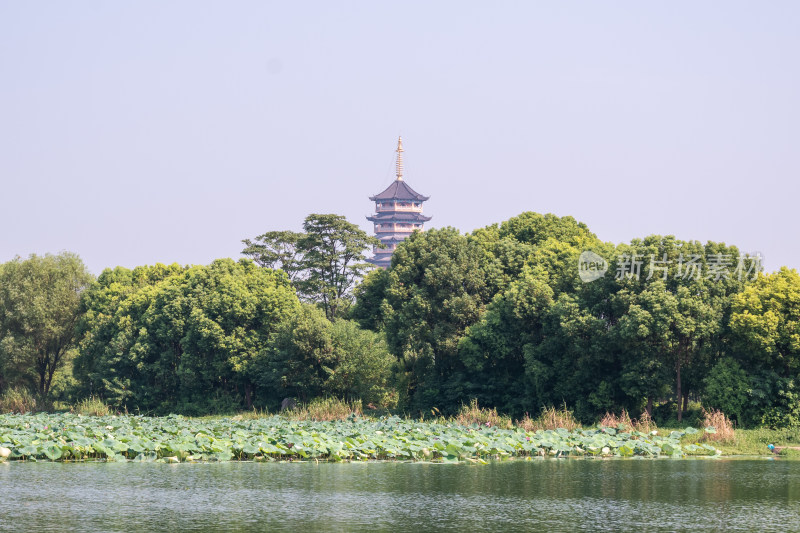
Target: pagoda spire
398,214
399,159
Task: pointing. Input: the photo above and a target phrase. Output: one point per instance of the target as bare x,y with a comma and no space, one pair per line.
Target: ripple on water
551,495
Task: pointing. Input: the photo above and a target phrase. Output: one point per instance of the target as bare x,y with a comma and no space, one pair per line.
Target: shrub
644,424
726,389
785,412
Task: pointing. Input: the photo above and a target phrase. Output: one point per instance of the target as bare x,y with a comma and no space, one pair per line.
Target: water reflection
551,495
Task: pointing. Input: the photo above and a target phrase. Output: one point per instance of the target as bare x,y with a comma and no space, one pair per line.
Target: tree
181,338
674,309
765,323
312,356
765,340
333,260
276,250
438,286
493,350
726,389
323,262
370,305
39,308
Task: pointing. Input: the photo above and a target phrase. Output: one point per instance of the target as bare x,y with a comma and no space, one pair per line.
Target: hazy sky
141,132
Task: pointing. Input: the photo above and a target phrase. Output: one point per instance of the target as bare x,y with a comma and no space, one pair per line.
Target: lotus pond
68,437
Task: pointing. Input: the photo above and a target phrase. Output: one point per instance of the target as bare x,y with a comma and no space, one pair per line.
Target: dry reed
550,418
472,414
325,410
724,431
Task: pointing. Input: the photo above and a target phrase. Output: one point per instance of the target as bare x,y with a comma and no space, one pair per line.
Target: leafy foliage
313,357
162,338
324,261
39,307
175,439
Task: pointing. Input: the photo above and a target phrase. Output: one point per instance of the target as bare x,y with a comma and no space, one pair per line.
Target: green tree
370,307
324,261
39,308
366,368
276,250
174,338
674,310
312,356
493,350
726,388
765,340
765,323
333,260
437,287
519,356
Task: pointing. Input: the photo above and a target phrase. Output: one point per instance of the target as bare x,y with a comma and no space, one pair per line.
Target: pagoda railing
389,207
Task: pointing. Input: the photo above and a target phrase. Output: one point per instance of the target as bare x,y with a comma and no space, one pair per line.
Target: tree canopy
324,261
39,308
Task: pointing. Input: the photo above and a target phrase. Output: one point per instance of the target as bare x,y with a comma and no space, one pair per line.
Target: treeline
533,312
502,315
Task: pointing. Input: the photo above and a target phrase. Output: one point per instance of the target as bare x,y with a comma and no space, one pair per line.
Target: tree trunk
42,371
649,408
686,400
679,392
248,395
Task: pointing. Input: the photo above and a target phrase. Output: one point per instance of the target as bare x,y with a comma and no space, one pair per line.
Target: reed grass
92,406
473,414
325,409
550,418
644,424
17,401
722,424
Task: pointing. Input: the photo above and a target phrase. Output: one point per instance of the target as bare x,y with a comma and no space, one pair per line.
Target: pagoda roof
382,262
398,215
399,190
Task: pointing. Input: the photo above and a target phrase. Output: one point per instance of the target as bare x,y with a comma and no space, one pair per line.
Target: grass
325,409
755,441
643,424
472,414
550,418
722,425
17,401
92,406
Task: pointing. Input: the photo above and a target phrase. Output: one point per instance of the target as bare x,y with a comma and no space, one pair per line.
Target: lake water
540,495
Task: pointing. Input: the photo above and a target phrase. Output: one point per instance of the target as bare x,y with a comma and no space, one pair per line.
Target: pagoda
398,213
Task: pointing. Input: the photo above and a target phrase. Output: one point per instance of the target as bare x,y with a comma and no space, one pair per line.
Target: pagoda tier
398,213
398,217
399,190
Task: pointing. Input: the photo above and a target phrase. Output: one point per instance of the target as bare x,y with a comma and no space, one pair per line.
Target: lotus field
68,437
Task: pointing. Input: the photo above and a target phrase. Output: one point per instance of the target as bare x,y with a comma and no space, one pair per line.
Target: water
541,495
